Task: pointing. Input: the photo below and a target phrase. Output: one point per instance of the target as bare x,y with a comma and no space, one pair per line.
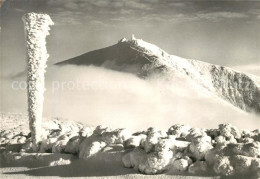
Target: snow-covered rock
223,166
220,139
199,167
180,165
47,144
256,135
86,131
247,149
246,140
91,146
229,131
213,133
198,149
179,130
101,129
180,146
117,136
59,146
72,146
153,137
196,133
150,161
229,159
135,141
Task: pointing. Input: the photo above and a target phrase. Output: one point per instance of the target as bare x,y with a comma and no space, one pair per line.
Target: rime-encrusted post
36,30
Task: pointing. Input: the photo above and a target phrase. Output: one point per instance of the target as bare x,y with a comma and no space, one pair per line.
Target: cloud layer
81,11
97,96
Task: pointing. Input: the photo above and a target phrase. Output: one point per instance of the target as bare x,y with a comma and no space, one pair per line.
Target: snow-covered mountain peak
142,59
144,46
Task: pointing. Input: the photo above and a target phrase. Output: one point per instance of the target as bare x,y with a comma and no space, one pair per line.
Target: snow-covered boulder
150,161
117,136
199,148
164,144
246,140
223,165
126,159
101,129
180,165
86,131
91,146
180,146
199,167
59,146
196,133
256,135
241,163
229,131
220,139
47,144
213,133
134,158
156,163
229,159
255,165
235,164
135,141
102,137
72,146
179,130
247,149
153,137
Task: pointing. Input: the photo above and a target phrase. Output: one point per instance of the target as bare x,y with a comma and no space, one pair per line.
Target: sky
219,32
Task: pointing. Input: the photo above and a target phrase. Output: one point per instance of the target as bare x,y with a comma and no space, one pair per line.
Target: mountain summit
142,59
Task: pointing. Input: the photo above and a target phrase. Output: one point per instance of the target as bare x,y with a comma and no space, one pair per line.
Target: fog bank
95,96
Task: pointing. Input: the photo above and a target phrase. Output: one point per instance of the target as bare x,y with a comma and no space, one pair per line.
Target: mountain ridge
142,59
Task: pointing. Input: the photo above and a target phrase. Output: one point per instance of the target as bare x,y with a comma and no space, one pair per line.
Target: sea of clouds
95,96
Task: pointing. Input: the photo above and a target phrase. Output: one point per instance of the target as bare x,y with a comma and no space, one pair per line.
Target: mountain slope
143,59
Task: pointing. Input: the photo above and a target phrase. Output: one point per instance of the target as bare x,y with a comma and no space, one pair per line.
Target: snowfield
179,151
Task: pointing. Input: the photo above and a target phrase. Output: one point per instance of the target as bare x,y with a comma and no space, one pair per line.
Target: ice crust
36,27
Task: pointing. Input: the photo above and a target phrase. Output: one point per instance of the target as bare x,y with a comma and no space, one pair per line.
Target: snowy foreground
71,149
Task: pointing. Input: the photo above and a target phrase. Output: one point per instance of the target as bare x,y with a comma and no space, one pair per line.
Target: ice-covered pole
36,27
